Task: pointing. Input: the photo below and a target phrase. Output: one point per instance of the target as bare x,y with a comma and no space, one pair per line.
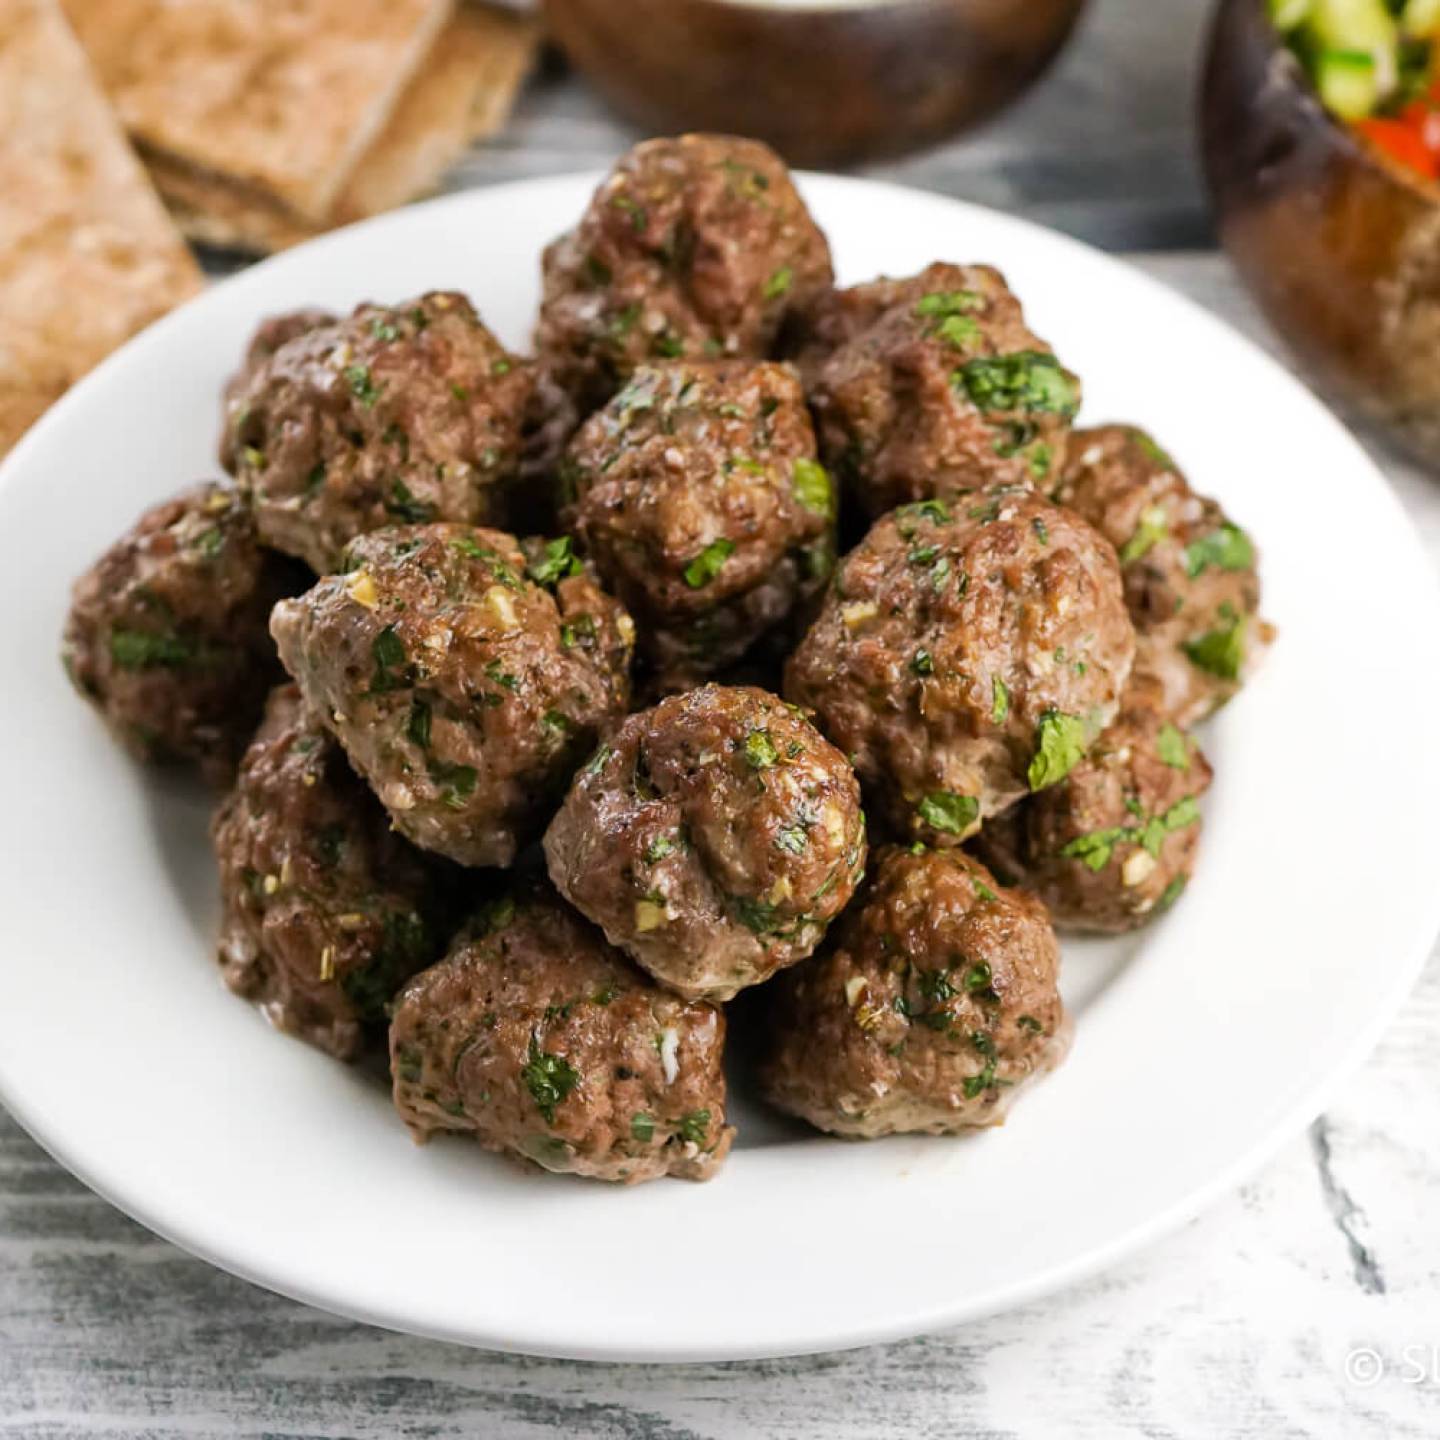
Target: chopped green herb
792,839
1042,531
957,331
982,889
1219,652
642,1127
668,346
361,385
811,484
382,329
778,283
211,542
1227,548
638,217
707,564
999,701
695,1126
1096,849
549,1078
501,367
659,848
935,986
557,722
417,728
146,650
922,663
1039,461
1030,1023
558,561
388,651
978,978
1060,742
1172,892
457,783
954,814
1171,744
939,303
402,504
1028,380
596,762
1152,529
760,749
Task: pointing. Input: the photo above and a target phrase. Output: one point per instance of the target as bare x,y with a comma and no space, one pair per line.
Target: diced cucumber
1353,25
1347,82
1362,27
1287,15
1421,18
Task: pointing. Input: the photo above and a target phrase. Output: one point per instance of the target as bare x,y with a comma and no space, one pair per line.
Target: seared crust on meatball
399,415
271,333
713,838
933,1003
696,246
697,493
538,1039
325,911
968,653
1191,577
167,635
464,687
1115,842
933,384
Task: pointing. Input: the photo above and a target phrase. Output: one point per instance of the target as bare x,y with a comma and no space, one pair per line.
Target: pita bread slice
282,96
87,253
462,92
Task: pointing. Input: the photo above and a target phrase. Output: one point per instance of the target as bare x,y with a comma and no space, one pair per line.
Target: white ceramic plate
1201,1044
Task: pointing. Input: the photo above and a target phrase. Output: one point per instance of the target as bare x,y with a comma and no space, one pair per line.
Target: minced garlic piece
1138,868
361,589
497,600
650,916
857,612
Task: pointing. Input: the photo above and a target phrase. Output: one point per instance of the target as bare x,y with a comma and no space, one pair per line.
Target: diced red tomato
1404,142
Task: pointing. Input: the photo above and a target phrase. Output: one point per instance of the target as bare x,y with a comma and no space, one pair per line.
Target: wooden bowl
1339,245
824,83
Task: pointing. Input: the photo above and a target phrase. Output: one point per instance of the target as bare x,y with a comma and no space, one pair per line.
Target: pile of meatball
547,691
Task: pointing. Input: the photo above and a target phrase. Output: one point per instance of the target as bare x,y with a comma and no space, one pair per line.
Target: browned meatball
463,687
326,912
696,246
167,630
925,386
271,333
1190,573
697,493
1115,842
538,1039
399,415
968,652
713,838
933,1003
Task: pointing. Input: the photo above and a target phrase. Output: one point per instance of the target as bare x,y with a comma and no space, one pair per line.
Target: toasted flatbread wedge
88,254
462,92
284,98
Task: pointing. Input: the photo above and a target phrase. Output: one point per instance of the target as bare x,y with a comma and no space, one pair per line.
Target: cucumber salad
1376,66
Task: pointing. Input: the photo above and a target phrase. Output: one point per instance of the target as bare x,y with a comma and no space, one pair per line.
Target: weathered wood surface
1241,1325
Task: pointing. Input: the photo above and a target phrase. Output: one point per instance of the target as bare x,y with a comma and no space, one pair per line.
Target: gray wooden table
1306,1304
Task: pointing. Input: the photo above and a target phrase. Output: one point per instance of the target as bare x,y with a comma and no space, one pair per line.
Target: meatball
1114,843
930,385
326,912
968,652
167,630
713,838
464,687
934,1002
538,1039
697,493
697,247
398,415
1190,573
